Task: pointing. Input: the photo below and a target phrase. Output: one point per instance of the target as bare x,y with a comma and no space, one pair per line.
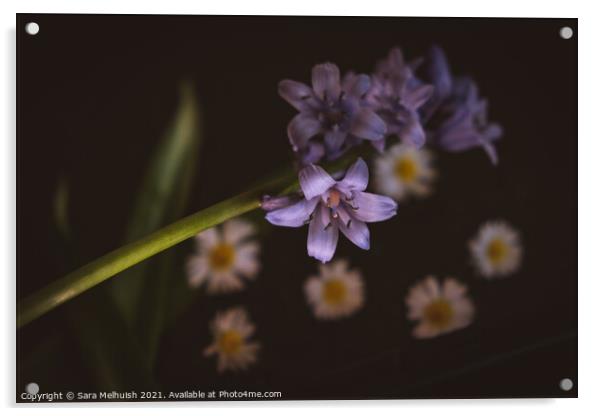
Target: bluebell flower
396,96
331,117
330,206
456,117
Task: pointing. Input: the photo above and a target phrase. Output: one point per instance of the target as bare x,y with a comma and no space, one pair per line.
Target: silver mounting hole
32,388
566,32
566,384
32,28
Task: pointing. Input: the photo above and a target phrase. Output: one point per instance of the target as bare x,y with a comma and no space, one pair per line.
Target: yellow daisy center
230,342
222,256
439,313
497,251
406,169
334,292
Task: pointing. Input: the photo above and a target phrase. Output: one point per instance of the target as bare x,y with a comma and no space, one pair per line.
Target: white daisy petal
207,239
452,289
237,230
223,282
197,270
249,249
247,266
424,330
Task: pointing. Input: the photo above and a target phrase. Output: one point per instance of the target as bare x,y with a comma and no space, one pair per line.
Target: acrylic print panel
429,252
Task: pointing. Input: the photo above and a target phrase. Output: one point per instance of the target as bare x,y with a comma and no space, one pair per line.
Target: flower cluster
337,113
418,102
455,116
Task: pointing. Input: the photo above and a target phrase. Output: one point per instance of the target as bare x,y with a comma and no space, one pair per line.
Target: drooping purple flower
330,116
330,206
456,117
396,96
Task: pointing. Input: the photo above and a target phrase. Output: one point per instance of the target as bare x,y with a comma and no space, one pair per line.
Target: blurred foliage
143,292
96,336
117,326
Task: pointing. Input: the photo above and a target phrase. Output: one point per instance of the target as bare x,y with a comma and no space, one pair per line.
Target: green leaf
108,348
161,199
165,277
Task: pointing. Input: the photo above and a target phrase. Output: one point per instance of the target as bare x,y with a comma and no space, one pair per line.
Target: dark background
95,94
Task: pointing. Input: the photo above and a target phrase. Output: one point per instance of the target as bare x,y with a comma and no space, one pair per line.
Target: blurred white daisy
224,257
496,250
404,170
438,308
231,332
337,292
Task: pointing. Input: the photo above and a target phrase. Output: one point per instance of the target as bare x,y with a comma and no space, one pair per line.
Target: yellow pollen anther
497,251
406,169
439,313
334,292
334,199
222,256
230,342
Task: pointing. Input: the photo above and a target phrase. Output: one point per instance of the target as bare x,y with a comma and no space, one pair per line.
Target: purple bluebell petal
356,178
418,96
295,215
356,85
302,128
314,181
461,117
439,74
413,133
395,58
326,81
341,214
334,140
461,137
312,153
392,65
372,207
491,152
357,232
460,140
379,145
322,240
492,132
368,125
296,94
271,203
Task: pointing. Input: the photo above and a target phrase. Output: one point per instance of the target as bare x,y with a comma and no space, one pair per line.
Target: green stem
118,260
88,276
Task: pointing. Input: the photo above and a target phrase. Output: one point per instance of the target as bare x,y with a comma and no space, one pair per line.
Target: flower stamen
230,342
222,256
334,292
439,313
497,251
